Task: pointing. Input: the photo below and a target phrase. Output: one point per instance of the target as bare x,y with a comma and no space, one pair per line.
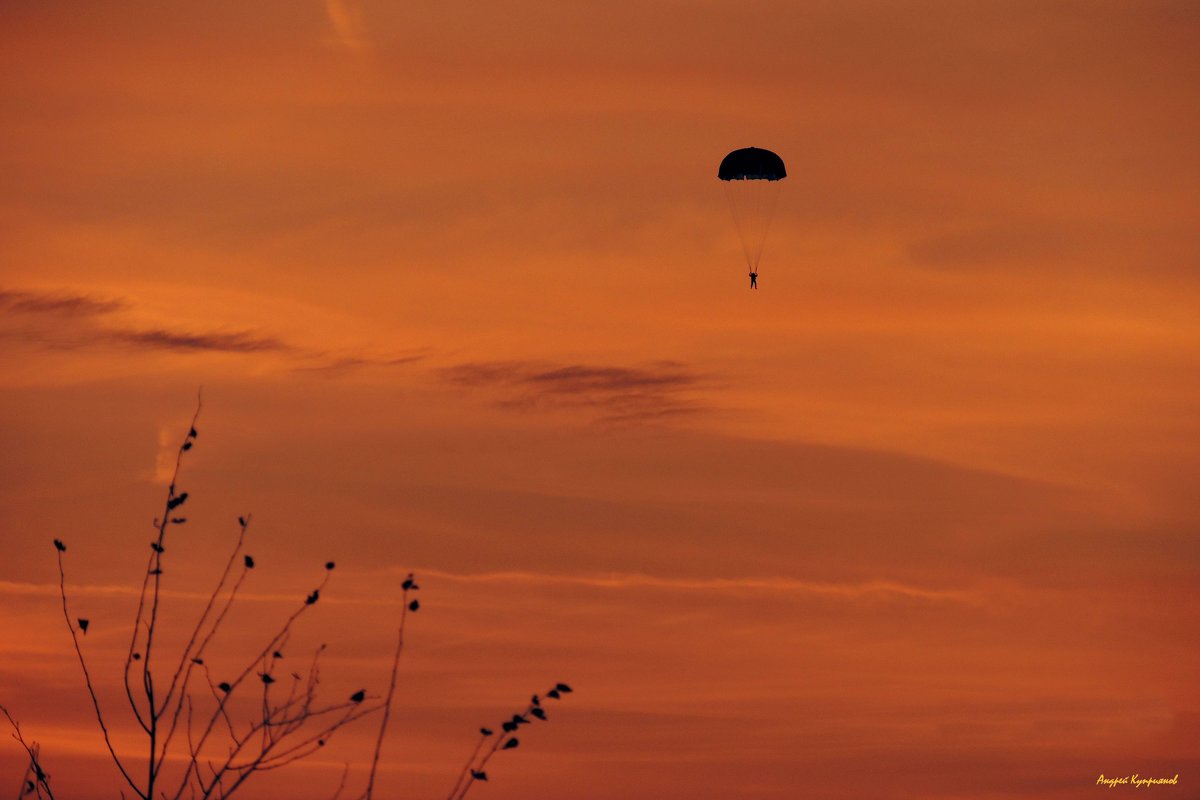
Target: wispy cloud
337,366
616,393
348,23
579,378
75,321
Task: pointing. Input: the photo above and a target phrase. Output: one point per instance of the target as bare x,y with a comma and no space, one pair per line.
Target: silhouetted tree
182,710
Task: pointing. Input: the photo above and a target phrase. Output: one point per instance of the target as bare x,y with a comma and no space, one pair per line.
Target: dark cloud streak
57,304
217,341
579,378
622,395
338,367
68,321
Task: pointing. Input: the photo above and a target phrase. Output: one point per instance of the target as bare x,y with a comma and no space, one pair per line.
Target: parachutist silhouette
358,696
750,177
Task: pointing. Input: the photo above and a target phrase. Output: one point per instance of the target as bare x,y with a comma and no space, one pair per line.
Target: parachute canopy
751,178
751,164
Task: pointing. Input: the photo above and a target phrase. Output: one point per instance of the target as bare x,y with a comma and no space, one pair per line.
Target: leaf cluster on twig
475,769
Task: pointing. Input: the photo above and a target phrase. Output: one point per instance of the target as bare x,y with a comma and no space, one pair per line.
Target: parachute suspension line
738,224
752,205
769,199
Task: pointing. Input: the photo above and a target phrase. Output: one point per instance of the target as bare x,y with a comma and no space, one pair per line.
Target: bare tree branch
387,708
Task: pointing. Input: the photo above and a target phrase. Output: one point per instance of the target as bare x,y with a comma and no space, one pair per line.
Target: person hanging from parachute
751,178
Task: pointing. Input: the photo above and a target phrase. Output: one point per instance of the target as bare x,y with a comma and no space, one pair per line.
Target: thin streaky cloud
881,589
877,589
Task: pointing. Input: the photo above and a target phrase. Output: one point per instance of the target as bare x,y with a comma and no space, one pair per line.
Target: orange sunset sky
916,520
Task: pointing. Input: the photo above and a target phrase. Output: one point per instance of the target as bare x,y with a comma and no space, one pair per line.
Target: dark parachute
751,164
751,178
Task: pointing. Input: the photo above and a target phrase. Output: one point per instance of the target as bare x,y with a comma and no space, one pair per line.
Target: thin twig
466,770
41,781
87,677
387,707
342,784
